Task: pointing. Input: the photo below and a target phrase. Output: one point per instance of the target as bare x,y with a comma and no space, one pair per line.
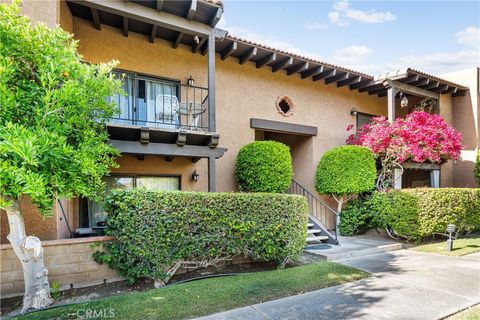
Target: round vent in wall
285,105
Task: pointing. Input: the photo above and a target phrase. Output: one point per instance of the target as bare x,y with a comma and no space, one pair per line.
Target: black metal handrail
323,214
176,106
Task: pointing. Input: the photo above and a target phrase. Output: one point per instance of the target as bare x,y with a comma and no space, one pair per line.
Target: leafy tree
345,171
264,166
477,169
52,131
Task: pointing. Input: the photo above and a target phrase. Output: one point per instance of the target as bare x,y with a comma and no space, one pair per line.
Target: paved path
404,285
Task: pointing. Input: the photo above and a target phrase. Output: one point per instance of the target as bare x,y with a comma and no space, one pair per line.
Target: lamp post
450,229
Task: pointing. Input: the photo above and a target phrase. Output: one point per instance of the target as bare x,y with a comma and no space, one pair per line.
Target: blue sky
370,36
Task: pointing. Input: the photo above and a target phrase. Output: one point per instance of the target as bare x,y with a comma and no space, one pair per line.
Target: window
364,118
92,214
285,106
149,102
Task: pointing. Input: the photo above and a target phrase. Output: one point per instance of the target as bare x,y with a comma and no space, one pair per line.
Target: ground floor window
417,177
92,216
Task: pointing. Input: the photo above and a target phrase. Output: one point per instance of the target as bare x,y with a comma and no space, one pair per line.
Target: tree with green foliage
345,171
264,166
477,169
52,131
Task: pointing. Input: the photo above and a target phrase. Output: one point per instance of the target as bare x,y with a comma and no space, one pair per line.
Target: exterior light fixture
196,39
354,112
450,229
403,101
191,81
195,176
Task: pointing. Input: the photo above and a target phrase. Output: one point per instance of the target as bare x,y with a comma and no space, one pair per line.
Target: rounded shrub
264,166
346,170
356,218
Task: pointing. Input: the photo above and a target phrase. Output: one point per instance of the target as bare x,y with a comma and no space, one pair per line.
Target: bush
154,231
346,170
264,166
477,169
425,212
355,218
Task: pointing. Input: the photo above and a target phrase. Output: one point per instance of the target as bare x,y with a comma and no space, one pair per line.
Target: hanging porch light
403,100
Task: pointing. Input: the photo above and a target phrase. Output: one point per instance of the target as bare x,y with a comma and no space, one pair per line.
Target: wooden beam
282,64
204,49
285,127
412,78
311,72
337,77
324,74
422,82
352,79
371,87
459,93
451,90
216,17
433,85
361,84
376,91
125,26
247,56
268,59
229,50
192,9
148,15
405,88
441,88
153,34
178,40
95,18
166,149
300,68
199,45
159,5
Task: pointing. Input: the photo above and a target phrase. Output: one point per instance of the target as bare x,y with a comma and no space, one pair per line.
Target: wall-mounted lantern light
403,100
191,81
195,176
450,229
354,112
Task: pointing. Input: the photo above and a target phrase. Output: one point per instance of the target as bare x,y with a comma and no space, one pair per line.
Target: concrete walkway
404,285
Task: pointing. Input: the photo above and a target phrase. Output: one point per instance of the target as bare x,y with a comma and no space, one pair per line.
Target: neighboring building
196,95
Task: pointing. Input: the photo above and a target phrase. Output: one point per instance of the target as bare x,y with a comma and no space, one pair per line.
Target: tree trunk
339,209
30,252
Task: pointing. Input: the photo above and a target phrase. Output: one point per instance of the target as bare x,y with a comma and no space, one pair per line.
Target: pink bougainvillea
419,137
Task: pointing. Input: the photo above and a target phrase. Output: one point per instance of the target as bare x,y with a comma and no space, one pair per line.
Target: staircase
321,216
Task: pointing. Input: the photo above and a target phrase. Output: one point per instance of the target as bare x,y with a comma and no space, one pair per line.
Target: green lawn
203,297
472,313
461,247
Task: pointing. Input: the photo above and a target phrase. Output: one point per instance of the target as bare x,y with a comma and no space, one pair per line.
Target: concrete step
310,225
313,238
334,255
311,231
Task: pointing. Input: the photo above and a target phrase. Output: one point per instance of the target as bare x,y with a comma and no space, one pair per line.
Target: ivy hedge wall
417,213
155,230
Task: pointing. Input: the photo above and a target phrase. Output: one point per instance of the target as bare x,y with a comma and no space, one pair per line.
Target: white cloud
351,56
469,36
311,25
343,12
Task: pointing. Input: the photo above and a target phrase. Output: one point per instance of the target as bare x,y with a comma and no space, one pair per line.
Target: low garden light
450,229
195,176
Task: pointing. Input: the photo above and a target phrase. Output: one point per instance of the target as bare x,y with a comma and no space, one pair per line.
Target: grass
472,313
461,247
203,297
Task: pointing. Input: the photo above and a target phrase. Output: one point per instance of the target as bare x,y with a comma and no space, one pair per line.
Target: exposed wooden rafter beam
422,82
229,50
371,87
311,72
405,88
433,85
153,34
159,5
451,90
337,77
199,45
192,9
324,74
247,56
352,79
268,59
412,78
148,15
178,40
204,49
125,26
216,17
300,68
377,91
361,84
441,88
459,93
282,64
95,18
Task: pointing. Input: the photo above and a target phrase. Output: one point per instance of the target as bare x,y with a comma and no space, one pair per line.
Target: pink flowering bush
419,137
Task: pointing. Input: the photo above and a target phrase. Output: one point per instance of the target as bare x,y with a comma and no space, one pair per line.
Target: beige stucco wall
446,171
46,11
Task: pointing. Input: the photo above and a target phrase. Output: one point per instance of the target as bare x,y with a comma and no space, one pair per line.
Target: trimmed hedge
153,230
477,169
355,218
346,170
425,212
264,166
